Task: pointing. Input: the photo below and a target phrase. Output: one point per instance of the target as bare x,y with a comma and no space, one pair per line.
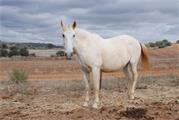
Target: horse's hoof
85,104
131,97
95,105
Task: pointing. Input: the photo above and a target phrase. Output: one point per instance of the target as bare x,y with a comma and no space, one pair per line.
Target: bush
151,44
3,46
24,52
60,53
168,44
3,53
50,46
177,41
159,44
18,76
13,51
164,43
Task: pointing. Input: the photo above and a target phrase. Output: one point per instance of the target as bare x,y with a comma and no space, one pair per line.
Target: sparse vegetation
3,46
177,41
3,53
60,53
159,44
50,46
18,76
24,52
23,49
14,51
3,50
9,51
58,79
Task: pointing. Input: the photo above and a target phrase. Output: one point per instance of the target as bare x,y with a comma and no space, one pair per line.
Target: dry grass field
54,91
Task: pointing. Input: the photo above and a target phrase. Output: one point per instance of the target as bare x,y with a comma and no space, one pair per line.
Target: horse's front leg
86,78
96,83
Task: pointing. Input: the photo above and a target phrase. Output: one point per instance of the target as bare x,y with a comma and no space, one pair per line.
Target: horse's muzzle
68,56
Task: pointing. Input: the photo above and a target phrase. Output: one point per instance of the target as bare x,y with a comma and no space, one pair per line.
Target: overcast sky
38,20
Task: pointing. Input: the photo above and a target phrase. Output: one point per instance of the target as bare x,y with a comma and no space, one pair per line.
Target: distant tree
14,51
3,53
50,46
3,46
60,53
165,41
24,52
161,45
158,43
177,41
168,43
151,44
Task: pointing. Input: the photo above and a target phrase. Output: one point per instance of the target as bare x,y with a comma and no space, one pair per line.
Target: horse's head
68,34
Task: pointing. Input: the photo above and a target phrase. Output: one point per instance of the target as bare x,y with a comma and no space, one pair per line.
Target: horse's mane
84,33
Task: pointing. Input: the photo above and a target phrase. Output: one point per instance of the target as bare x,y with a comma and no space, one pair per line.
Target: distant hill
31,45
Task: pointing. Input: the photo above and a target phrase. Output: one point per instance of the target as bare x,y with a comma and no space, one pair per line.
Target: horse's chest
90,58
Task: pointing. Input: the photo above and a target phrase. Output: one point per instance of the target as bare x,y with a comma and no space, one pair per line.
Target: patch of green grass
18,76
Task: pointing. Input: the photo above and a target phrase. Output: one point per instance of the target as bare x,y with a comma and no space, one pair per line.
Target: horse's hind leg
134,80
128,73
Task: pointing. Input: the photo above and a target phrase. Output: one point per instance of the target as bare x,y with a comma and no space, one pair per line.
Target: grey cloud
37,20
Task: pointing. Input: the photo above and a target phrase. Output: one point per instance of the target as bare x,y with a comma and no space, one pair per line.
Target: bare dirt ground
55,91
157,98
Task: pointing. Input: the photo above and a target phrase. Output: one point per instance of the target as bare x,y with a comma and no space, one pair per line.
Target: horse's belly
114,64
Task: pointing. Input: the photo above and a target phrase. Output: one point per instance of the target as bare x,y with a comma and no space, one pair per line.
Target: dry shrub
18,76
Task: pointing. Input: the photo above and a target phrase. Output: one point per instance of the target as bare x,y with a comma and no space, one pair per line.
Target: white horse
96,54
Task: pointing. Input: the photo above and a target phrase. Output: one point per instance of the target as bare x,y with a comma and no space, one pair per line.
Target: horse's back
124,40
132,45
118,51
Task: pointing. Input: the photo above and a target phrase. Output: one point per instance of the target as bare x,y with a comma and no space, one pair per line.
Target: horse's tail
144,57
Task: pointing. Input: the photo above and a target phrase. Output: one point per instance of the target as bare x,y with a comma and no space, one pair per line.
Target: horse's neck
81,38
82,34
82,41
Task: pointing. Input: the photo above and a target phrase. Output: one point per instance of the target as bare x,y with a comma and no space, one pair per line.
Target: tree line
6,51
160,44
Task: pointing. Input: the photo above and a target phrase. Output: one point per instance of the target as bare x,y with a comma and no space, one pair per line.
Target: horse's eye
73,35
63,35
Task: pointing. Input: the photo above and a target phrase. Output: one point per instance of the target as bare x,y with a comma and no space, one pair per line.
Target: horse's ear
61,23
74,25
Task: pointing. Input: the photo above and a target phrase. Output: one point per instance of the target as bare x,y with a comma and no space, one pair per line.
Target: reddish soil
163,62
154,101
